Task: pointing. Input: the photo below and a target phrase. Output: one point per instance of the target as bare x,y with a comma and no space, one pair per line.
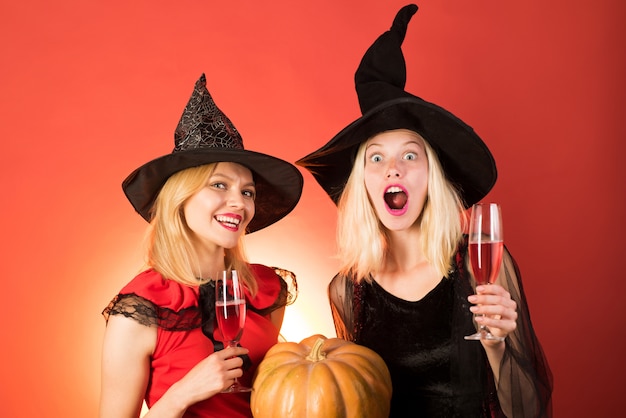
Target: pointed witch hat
380,81
205,135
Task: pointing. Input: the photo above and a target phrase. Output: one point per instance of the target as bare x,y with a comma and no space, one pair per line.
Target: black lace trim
289,285
148,314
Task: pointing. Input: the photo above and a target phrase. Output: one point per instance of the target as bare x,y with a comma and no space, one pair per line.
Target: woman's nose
235,200
392,170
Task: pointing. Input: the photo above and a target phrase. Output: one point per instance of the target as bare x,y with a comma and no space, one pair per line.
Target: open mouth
228,221
396,198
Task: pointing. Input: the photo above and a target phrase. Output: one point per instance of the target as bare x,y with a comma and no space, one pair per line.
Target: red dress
181,344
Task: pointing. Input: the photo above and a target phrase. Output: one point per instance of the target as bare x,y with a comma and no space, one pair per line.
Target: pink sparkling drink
231,317
485,258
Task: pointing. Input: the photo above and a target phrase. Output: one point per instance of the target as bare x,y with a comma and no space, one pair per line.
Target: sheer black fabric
436,373
525,377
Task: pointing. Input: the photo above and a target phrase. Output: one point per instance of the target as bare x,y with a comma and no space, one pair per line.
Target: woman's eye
376,158
249,193
410,156
218,185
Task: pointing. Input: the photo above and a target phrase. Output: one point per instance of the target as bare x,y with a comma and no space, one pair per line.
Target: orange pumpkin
321,378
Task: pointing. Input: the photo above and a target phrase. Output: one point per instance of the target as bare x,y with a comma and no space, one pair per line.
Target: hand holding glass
485,251
230,309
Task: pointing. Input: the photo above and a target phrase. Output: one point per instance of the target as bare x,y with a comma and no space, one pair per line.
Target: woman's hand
215,373
207,378
495,309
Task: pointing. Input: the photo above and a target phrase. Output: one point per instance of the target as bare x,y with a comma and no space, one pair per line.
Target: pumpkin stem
316,353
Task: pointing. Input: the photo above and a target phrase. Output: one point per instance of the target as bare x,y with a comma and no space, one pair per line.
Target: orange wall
90,90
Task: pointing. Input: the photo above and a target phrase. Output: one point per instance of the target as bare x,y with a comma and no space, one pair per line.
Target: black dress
434,371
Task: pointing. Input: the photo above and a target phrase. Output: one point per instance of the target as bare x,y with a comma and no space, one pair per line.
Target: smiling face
219,213
396,177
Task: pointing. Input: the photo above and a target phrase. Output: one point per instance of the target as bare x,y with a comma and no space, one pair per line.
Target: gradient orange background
91,90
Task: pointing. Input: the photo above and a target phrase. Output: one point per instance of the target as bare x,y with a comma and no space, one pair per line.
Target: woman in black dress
402,176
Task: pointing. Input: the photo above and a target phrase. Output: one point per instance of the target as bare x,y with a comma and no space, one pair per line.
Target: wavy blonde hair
362,240
170,245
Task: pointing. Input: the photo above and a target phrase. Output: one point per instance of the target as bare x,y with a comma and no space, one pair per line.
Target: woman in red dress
161,345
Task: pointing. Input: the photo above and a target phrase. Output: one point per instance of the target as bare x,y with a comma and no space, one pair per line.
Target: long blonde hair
171,250
362,239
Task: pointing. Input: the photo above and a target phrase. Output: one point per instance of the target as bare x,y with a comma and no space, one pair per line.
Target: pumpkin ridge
323,381
367,377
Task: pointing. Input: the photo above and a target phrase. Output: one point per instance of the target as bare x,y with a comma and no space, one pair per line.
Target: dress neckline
428,295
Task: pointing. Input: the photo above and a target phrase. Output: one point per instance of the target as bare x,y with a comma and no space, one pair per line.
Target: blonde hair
362,239
171,250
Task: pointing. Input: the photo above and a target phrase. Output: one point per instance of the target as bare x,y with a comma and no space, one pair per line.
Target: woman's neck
406,272
404,250
210,261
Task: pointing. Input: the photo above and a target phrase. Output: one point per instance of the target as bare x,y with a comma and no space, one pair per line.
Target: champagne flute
230,309
485,251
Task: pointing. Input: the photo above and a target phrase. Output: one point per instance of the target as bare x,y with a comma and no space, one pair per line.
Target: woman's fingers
494,308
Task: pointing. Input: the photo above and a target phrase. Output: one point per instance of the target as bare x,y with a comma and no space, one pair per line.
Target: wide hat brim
467,162
278,183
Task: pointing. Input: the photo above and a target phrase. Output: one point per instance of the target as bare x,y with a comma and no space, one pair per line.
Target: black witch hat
380,81
205,135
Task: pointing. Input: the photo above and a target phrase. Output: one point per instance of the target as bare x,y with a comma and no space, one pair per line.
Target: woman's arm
128,346
206,379
340,299
126,353
521,372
